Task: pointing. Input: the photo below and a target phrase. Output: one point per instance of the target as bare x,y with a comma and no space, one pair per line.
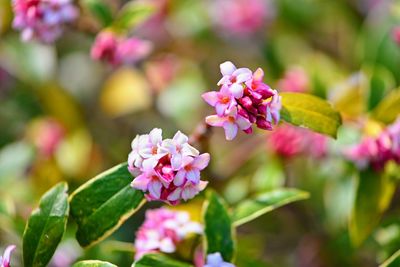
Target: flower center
154,150
188,168
231,119
225,100
233,79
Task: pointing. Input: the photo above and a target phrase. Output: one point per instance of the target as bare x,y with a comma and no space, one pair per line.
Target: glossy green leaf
218,228
393,261
159,260
389,108
101,10
251,209
132,14
93,263
102,204
373,195
310,112
46,226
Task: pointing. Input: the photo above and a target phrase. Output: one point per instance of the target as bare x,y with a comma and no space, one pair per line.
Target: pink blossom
396,34
244,99
47,135
6,258
117,50
163,230
376,152
216,260
288,141
294,80
240,17
231,122
43,19
166,170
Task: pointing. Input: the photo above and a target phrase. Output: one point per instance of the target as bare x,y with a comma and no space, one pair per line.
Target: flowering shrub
80,79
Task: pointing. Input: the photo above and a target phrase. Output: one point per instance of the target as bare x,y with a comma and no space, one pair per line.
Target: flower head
43,19
216,260
243,99
6,258
117,50
376,152
167,170
163,230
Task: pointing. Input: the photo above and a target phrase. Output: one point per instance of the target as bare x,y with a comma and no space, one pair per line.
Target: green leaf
159,260
103,203
251,209
100,10
46,226
132,14
393,261
93,263
389,108
218,229
310,112
373,194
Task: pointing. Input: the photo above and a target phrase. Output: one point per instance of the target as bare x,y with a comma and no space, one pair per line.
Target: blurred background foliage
64,116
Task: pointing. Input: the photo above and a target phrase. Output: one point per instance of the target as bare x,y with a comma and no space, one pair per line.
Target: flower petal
141,182
193,175
211,98
179,177
230,130
242,122
201,161
215,120
236,89
227,68
155,189
175,195
180,138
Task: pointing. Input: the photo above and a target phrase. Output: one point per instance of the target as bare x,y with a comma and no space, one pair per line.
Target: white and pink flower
6,258
43,20
166,170
118,50
163,230
216,260
243,99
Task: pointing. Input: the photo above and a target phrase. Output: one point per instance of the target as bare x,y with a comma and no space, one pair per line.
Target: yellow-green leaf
159,260
132,14
389,108
310,112
393,261
93,263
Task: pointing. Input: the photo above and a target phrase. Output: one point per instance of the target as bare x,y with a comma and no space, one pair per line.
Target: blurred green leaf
218,229
93,263
393,261
100,10
103,203
159,260
389,108
373,194
46,226
251,209
311,112
132,14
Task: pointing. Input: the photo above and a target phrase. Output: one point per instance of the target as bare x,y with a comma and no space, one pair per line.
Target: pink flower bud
6,258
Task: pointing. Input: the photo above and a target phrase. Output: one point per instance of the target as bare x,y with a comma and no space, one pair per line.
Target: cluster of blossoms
245,16
117,50
243,100
289,141
43,19
163,230
6,258
376,152
168,170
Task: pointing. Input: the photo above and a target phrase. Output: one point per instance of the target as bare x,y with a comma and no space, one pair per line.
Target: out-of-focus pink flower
294,80
163,230
240,17
47,135
43,19
396,35
288,141
376,152
244,99
162,71
117,50
6,258
166,170
216,260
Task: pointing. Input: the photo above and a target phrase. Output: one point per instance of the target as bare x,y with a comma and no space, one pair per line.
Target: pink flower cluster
240,17
43,19
288,141
376,152
6,258
168,170
243,100
117,50
163,230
